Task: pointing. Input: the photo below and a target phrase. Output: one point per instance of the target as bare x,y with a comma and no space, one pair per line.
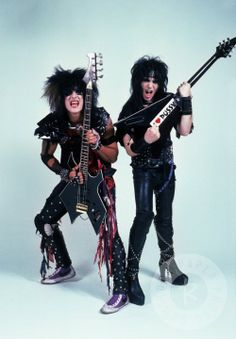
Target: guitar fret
84,153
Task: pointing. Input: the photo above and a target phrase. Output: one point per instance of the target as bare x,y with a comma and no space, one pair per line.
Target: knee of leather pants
44,228
143,220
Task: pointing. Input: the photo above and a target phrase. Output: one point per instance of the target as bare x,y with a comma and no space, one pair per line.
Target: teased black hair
141,69
61,80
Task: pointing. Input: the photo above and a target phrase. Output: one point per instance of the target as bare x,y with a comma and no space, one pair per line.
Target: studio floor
205,308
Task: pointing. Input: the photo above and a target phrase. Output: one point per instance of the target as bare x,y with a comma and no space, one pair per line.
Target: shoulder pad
49,128
99,119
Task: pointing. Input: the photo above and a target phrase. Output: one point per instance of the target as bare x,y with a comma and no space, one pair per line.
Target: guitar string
85,150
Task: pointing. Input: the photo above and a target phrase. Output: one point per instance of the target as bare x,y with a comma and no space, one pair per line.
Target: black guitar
158,112
84,198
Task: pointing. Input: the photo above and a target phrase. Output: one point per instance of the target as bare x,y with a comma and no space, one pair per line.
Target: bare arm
48,158
128,141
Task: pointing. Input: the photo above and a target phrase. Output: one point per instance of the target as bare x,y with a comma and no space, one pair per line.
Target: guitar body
92,204
85,198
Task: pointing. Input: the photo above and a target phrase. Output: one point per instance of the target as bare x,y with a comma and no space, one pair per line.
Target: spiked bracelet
186,105
97,146
64,174
139,146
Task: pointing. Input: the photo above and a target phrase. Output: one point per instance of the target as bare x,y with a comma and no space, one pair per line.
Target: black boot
135,292
170,266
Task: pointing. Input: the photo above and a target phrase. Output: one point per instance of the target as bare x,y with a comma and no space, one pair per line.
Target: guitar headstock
93,72
225,47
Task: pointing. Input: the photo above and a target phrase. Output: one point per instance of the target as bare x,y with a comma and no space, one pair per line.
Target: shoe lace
55,272
117,301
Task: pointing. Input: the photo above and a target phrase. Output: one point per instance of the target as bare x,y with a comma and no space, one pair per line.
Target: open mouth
74,103
148,94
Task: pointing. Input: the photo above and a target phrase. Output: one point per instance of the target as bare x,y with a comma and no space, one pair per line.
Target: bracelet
186,105
97,146
139,146
64,174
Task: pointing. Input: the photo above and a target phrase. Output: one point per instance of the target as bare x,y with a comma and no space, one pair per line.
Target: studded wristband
64,174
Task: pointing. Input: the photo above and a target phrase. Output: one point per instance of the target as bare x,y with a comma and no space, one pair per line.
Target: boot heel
163,269
170,266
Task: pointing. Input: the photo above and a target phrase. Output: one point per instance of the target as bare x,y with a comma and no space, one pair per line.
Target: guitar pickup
81,208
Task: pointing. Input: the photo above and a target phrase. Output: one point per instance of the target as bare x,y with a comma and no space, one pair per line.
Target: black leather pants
50,214
148,181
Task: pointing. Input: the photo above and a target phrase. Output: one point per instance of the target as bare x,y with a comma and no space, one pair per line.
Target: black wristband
139,146
186,106
55,167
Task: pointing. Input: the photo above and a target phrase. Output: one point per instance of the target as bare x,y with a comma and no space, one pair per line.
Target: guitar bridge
81,208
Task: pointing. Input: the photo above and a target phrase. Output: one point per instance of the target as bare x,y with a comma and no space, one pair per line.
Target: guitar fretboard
84,153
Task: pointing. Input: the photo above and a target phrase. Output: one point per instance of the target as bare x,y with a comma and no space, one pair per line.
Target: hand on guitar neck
184,89
75,173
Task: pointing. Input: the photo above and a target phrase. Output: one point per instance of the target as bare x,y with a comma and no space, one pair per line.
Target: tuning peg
100,69
100,76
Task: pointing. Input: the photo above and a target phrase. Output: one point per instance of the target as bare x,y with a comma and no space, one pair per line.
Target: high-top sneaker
60,274
115,303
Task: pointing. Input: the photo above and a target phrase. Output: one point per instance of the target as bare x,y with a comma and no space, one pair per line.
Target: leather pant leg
163,220
47,224
118,266
143,187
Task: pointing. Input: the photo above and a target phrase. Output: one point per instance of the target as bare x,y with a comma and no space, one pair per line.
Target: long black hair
60,82
142,69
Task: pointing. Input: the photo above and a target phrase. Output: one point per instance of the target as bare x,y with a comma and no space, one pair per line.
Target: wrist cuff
139,146
97,146
186,105
64,174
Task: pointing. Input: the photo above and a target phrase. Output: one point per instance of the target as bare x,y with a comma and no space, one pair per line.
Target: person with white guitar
71,101
150,149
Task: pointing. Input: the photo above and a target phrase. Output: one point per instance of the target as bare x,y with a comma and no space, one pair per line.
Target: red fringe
108,228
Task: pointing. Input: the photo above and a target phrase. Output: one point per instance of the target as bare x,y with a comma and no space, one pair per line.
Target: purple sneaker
115,303
61,274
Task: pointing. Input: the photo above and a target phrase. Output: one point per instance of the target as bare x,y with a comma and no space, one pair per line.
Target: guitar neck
202,70
139,118
84,153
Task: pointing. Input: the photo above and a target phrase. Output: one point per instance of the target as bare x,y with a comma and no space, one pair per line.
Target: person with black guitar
150,149
69,101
